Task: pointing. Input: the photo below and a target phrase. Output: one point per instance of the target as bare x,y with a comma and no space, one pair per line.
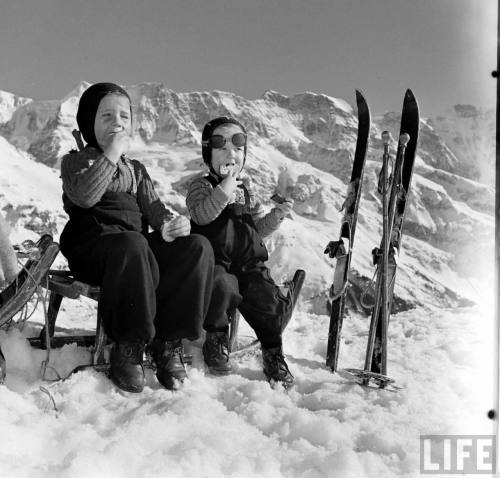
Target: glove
282,210
177,227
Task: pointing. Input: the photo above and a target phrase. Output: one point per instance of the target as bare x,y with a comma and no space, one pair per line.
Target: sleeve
84,179
155,212
204,202
266,224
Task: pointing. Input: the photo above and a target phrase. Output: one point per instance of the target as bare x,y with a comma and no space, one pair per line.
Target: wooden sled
39,257
62,284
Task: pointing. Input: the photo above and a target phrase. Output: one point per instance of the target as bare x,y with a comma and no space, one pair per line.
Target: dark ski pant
149,287
254,293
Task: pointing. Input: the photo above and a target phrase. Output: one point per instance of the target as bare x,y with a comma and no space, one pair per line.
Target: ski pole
381,276
380,310
385,250
388,241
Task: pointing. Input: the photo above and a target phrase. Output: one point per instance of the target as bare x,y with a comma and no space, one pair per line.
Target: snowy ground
237,425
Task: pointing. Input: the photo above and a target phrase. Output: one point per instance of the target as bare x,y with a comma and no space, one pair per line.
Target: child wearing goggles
218,141
223,209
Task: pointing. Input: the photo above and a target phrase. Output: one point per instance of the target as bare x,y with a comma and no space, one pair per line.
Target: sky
444,50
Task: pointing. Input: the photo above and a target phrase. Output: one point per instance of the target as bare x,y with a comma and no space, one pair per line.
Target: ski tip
410,96
360,94
362,105
410,102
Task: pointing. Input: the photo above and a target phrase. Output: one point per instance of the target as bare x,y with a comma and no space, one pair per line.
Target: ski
386,257
341,249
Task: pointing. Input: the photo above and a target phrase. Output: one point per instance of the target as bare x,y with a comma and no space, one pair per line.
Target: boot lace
173,351
132,352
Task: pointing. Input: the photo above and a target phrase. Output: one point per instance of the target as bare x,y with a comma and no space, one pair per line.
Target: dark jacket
233,234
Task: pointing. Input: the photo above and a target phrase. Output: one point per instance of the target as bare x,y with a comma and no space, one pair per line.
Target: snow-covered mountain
303,145
463,129
327,425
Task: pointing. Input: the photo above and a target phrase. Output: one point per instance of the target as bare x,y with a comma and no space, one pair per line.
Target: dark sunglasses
218,141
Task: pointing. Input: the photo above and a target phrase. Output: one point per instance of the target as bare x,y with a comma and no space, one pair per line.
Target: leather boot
127,371
275,366
216,352
169,360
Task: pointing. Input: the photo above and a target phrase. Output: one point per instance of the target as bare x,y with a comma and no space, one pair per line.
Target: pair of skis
394,190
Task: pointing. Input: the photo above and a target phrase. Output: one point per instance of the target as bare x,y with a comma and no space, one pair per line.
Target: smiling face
229,156
112,116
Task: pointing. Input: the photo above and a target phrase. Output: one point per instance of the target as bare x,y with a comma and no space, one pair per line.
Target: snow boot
216,352
275,367
127,371
169,359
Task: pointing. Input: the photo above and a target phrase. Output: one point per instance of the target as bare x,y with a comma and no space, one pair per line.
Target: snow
238,426
23,181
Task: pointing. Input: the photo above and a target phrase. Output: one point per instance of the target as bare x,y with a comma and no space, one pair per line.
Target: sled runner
38,257
62,284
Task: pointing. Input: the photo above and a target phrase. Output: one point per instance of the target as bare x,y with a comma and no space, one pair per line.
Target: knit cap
87,108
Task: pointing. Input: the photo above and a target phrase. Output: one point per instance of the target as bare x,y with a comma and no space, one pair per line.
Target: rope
364,293
337,296
51,398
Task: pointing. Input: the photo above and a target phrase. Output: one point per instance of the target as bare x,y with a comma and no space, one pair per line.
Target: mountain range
301,146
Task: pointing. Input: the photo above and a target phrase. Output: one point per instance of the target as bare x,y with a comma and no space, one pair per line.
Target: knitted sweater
205,203
88,174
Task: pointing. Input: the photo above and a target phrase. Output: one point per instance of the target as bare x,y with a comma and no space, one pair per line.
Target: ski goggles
218,141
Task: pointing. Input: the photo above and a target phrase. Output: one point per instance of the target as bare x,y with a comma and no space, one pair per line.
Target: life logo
461,454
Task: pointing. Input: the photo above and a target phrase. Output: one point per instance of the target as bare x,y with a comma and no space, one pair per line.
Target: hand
283,209
118,144
177,227
229,185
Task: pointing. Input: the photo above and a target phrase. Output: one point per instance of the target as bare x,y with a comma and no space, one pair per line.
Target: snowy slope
327,426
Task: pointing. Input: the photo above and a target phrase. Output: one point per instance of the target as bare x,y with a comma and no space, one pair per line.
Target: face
113,116
229,156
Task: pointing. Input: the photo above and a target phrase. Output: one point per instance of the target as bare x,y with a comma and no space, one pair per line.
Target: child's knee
198,244
129,243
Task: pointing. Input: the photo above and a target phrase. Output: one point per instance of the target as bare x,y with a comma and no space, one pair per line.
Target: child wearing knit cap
223,209
155,286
